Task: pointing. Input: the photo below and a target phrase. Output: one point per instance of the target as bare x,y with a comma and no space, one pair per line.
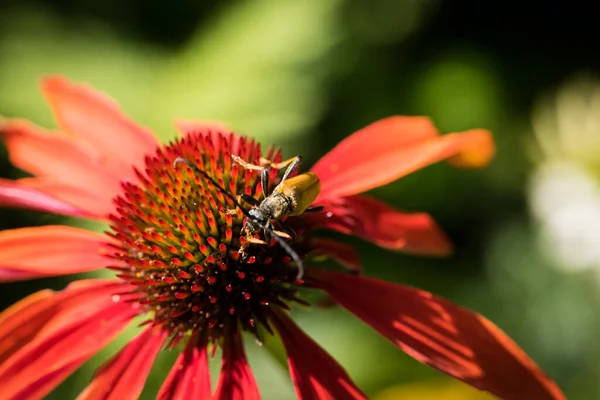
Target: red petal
124,375
16,194
39,312
236,381
445,336
73,166
50,250
21,322
62,333
381,224
97,119
342,253
316,375
190,376
54,154
94,204
393,147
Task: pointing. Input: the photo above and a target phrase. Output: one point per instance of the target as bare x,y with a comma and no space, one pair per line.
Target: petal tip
57,89
478,151
51,82
52,85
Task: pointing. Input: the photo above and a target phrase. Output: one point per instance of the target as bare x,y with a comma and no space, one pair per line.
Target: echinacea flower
174,244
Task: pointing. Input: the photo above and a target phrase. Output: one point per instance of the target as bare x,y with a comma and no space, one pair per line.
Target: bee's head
256,220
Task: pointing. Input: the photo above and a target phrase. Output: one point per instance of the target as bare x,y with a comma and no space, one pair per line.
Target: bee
291,197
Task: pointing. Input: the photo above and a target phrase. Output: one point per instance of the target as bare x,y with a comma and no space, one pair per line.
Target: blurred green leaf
259,66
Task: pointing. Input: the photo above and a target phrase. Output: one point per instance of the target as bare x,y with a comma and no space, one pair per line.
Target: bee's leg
292,163
247,165
232,211
283,230
228,211
264,182
285,163
243,247
264,163
264,172
250,240
280,165
253,240
267,231
282,234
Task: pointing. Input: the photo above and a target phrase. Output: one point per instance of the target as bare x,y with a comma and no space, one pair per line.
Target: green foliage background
306,73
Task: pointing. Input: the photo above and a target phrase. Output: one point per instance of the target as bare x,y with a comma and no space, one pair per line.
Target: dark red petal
69,328
434,331
15,194
190,376
124,375
375,221
342,253
316,375
40,312
393,147
236,381
50,250
95,118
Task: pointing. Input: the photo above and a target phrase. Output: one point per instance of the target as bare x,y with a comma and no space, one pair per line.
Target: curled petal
342,253
377,222
393,147
236,381
19,195
95,118
190,376
434,331
316,375
124,375
62,332
50,250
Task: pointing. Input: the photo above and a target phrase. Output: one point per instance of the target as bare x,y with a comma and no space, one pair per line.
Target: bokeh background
304,74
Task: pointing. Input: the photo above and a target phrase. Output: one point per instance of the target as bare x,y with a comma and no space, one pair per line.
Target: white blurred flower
566,201
564,192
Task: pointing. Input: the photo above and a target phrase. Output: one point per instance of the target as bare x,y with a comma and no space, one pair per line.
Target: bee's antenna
203,173
279,240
